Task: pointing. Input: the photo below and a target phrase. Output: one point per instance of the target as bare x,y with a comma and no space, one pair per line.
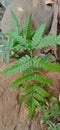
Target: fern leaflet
28,32
48,41
37,37
16,22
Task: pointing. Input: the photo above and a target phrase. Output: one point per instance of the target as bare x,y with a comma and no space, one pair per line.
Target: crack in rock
15,128
30,125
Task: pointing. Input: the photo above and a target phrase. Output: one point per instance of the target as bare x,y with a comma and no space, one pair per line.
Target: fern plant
31,83
15,38
6,48
21,36
51,113
54,127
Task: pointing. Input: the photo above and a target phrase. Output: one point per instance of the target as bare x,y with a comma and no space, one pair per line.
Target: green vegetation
31,83
50,114
54,127
6,49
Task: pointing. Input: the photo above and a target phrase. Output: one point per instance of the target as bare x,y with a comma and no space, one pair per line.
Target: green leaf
16,22
47,41
24,98
39,97
46,65
37,37
11,44
31,107
43,80
28,89
58,40
28,27
46,119
47,57
41,91
2,52
22,80
6,49
8,33
30,77
5,43
22,43
7,56
8,45
23,64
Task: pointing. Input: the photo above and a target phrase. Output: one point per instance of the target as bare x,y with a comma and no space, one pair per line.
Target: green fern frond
31,107
41,91
31,77
33,103
20,81
37,91
43,80
37,104
18,38
25,97
46,65
23,64
8,33
38,35
58,39
39,97
22,43
2,51
34,95
28,32
5,43
7,47
48,41
25,58
28,89
16,22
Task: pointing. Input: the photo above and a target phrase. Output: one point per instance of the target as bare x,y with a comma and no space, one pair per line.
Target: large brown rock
40,11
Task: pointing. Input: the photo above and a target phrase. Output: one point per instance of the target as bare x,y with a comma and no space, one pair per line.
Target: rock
49,1
58,53
56,27
53,59
53,30
22,8
2,9
5,3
